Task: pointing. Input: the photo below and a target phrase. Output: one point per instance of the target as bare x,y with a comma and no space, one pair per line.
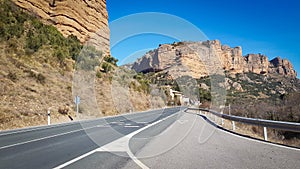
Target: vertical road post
233,125
222,120
265,134
49,118
77,101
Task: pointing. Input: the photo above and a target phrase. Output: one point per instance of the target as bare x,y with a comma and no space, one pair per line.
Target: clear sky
270,27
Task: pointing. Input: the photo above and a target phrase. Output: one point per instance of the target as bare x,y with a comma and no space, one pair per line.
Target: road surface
168,138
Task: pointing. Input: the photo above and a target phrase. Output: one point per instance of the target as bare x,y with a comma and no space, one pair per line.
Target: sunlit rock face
86,19
199,59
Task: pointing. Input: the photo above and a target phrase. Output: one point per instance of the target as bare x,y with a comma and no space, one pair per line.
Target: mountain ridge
181,54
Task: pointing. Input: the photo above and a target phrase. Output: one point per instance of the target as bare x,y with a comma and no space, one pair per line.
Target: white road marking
143,122
182,121
33,129
251,139
131,126
119,145
43,138
42,127
102,126
76,159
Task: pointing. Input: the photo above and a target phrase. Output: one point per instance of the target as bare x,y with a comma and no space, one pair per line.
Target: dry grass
29,85
36,86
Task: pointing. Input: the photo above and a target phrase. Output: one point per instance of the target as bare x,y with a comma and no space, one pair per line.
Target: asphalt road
51,146
167,138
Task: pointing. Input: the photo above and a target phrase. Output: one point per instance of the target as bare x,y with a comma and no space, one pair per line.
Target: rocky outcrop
86,19
177,61
282,67
256,63
198,59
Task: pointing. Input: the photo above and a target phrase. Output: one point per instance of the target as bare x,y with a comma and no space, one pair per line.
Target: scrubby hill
37,67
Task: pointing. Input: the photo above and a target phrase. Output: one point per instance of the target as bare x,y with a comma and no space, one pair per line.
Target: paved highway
165,139
50,146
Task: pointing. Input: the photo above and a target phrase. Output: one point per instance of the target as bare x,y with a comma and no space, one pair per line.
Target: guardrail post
265,134
222,120
49,119
233,125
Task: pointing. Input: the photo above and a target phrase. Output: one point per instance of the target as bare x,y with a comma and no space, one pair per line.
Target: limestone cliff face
198,59
178,61
256,63
282,67
86,19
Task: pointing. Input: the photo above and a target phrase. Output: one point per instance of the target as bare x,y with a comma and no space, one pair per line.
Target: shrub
41,78
106,67
111,60
88,58
12,76
36,33
204,95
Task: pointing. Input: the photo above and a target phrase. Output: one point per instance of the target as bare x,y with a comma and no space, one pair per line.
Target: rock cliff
86,19
198,59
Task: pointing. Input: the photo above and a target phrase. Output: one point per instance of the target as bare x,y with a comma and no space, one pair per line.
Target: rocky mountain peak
180,59
282,67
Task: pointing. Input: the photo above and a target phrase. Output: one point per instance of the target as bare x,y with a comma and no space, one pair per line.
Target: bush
111,60
12,76
37,34
88,58
41,78
204,95
106,67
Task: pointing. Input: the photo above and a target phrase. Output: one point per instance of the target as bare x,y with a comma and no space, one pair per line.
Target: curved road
166,138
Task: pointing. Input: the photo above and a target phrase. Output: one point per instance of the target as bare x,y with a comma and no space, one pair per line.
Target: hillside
37,68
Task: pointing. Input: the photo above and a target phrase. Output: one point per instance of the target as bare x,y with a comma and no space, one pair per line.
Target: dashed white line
131,126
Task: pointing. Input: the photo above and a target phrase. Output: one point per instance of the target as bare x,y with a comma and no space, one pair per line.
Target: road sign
77,100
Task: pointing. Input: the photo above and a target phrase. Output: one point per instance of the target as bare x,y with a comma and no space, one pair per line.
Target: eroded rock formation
198,59
86,19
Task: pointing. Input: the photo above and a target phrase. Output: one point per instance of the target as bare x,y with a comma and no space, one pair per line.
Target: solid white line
42,127
75,159
43,138
251,139
35,128
125,148
136,160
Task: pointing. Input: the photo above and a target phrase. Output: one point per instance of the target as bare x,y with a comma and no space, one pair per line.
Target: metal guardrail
286,126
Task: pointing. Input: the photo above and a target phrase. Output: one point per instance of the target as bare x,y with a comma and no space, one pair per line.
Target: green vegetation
108,64
23,30
26,31
111,60
204,95
88,58
144,83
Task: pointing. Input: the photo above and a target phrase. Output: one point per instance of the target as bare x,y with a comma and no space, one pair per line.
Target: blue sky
270,27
